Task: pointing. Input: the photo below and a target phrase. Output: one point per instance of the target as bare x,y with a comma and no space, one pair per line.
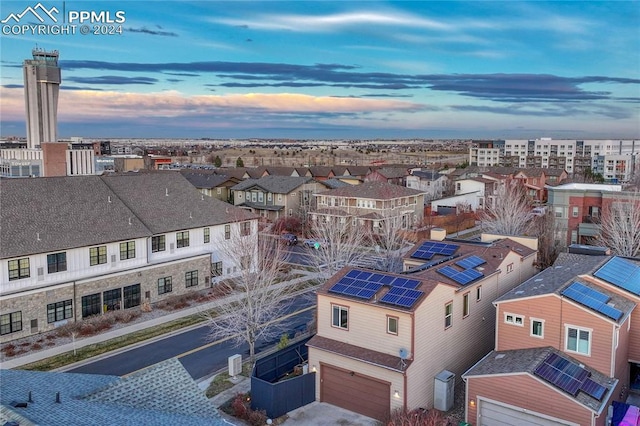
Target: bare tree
552,240
509,213
257,299
390,237
620,225
340,242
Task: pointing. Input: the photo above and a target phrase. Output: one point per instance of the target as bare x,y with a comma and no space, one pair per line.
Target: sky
330,70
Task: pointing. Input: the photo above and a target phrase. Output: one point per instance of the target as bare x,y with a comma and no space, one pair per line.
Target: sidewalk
58,350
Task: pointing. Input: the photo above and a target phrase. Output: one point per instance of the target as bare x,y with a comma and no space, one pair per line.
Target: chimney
438,234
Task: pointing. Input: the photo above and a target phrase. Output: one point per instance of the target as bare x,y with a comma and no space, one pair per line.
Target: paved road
198,356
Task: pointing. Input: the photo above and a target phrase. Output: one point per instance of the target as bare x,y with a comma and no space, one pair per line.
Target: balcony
588,229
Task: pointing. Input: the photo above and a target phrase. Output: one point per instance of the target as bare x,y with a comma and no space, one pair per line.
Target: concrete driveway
323,414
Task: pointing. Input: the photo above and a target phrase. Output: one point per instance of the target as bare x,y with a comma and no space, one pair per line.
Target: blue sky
325,70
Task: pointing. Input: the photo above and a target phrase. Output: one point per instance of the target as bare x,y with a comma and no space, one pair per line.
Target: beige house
567,335
370,203
383,338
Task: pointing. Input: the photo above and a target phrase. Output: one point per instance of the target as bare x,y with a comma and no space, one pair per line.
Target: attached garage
355,392
496,414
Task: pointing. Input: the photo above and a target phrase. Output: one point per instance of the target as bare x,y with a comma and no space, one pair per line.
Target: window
340,317
578,340
164,285
574,211
56,262
207,235
269,196
216,269
537,327
558,211
91,305
10,323
97,255
158,243
218,191
392,325
514,319
191,278
465,305
448,315
245,228
182,239
279,197
509,268
127,250
479,293
131,296
19,268
227,232
245,262
111,299
59,311
261,197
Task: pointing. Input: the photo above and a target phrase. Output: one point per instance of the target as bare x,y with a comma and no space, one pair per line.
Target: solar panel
562,373
622,273
356,283
405,283
593,389
592,299
430,248
471,262
400,296
461,277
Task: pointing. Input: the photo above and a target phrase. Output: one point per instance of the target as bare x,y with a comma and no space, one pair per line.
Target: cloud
183,74
13,86
145,30
112,79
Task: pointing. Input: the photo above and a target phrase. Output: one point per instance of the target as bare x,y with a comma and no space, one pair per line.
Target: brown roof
369,356
373,190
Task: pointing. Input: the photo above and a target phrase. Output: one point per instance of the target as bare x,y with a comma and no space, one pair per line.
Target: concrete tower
41,88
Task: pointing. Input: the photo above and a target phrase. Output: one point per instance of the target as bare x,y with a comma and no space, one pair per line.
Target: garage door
494,414
354,392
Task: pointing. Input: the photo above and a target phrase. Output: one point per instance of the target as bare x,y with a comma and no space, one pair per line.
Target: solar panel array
461,277
592,299
622,273
430,248
569,376
364,285
404,297
471,262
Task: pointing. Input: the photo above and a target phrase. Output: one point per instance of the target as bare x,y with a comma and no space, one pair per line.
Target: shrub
418,417
36,346
9,350
239,406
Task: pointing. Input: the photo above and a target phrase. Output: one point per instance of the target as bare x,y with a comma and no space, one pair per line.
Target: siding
518,389
511,336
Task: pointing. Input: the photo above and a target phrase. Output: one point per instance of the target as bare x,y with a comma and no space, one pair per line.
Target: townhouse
73,247
383,340
567,336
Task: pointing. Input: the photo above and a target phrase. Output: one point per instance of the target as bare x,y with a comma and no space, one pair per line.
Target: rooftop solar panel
401,296
592,299
405,283
562,373
470,262
461,277
593,389
430,248
622,273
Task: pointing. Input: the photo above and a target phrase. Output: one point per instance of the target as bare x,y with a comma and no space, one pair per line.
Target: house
382,338
164,394
535,181
211,184
273,197
431,182
393,175
566,335
73,247
369,203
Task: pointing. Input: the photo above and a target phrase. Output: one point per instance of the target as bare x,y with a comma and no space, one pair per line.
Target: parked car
289,239
315,244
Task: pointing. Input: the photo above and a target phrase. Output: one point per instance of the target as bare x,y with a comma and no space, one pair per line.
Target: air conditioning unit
235,365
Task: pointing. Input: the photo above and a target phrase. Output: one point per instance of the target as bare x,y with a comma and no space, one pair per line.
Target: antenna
403,353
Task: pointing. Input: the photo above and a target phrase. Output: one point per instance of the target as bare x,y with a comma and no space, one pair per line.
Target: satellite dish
404,354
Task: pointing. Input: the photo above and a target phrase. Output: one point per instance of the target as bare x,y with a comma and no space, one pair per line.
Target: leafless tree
340,242
257,299
509,214
552,240
620,225
390,237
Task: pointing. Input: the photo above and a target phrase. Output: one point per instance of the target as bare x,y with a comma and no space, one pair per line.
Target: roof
274,184
392,172
207,179
427,174
164,394
368,356
60,213
525,361
373,190
334,183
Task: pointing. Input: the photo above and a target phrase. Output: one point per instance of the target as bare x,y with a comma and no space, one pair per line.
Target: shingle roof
161,395
393,172
525,361
47,214
334,183
206,180
373,190
274,184
427,174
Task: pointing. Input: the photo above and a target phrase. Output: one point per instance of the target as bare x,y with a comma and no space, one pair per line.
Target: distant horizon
331,70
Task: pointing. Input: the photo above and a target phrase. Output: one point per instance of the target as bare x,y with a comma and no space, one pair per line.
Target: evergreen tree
239,162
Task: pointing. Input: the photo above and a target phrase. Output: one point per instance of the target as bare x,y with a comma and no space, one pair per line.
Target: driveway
323,414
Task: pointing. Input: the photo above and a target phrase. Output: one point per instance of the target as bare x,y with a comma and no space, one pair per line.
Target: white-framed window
340,317
514,319
574,211
509,268
392,325
279,197
219,191
448,315
465,305
478,293
537,327
578,340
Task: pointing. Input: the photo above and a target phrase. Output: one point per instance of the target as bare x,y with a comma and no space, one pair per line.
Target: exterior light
396,394
472,403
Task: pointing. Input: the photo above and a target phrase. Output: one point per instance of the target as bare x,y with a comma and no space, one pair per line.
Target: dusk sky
330,70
